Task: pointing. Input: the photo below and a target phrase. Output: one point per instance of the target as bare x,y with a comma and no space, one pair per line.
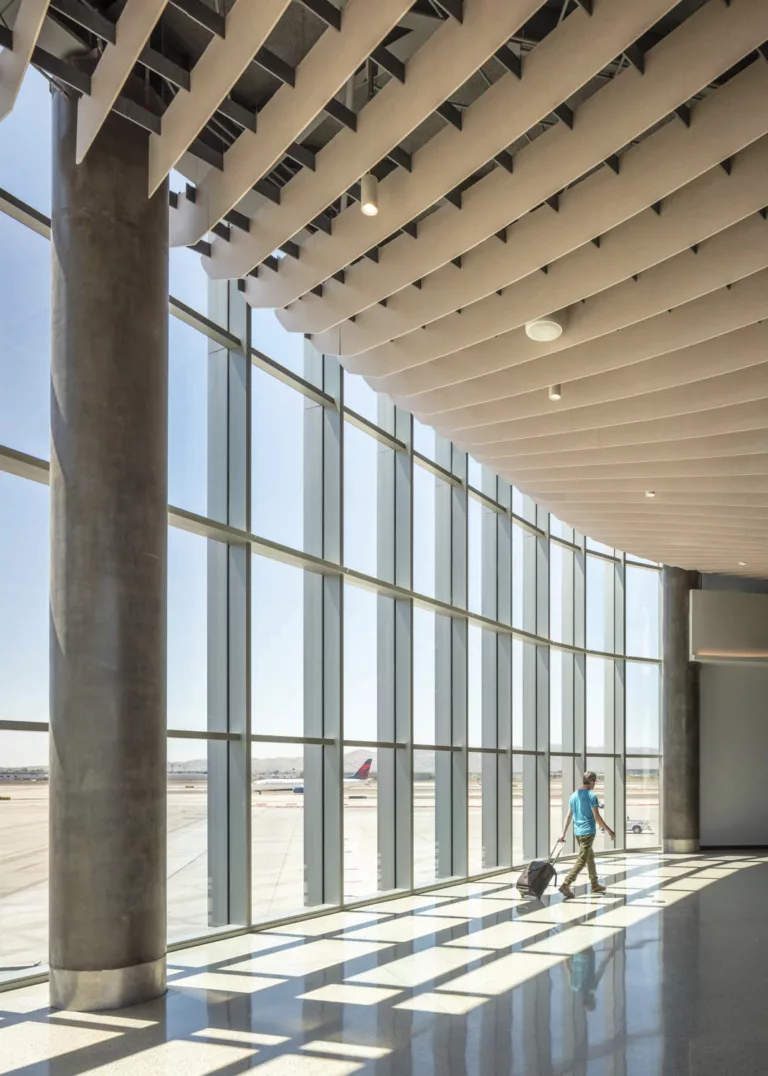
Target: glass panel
558,529
424,677
360,397
556,665
188,417
518,695
475,688
600,708
270,338
476,765
560,593
424,561
25,145
360,664
475,512
277,823
605,794
643,783
25,317
518,808
523,575
424,439
188,867
424,839
277,472
23,853
188,281
475,473
559,791
365,462
24,620
643,717
523,505
277,648
361,838
187,630
598,547
600,604
642,560
643,592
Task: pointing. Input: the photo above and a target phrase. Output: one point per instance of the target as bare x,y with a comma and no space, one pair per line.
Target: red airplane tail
364,772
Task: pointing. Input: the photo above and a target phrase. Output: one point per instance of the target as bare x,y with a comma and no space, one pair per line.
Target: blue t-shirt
581,804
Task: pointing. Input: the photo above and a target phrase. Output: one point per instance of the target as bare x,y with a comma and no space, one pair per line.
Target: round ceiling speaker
543,330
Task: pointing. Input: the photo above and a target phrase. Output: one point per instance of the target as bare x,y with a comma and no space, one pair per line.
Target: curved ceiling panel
600,164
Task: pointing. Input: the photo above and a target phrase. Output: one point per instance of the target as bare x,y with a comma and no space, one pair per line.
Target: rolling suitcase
538,874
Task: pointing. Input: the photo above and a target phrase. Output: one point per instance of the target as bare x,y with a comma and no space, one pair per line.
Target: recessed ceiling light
742,564
544,330
369,195
650,493
555,392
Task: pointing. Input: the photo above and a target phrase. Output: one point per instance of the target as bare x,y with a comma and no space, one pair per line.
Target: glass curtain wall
386,666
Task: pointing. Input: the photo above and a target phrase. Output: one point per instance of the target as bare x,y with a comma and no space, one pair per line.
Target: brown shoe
597,888
567,892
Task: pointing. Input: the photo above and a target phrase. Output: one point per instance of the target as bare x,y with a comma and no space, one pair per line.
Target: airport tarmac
277,855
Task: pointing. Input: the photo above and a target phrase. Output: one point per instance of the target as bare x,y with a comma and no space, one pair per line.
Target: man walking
583,808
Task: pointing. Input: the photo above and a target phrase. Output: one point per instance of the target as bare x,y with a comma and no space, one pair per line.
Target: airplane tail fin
364,772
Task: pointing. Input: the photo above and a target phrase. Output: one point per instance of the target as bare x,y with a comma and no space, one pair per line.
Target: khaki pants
586,858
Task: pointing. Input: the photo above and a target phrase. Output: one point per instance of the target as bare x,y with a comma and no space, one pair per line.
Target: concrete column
109,388
679,716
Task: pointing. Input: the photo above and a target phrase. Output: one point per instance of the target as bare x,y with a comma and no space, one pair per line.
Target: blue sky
277,496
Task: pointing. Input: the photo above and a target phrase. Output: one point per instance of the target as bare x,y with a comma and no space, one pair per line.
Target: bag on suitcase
535,878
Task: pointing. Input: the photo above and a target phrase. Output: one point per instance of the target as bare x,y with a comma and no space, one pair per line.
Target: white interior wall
734,754
734,742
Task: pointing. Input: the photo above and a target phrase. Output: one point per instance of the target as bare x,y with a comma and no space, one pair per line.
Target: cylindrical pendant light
555,392
369,195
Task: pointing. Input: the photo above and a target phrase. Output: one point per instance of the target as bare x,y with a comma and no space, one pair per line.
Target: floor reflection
661,975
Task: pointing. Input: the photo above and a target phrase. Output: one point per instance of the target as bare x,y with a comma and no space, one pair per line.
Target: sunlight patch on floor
106,1020
442,1003
479,907
347,994
574,940
415,903
201,956
418,968
361,1051
225,982
328,924
501,975
501,935
251,1038
309,958
408,928
26,1044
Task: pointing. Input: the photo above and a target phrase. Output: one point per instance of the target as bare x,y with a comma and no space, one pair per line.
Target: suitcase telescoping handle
554,854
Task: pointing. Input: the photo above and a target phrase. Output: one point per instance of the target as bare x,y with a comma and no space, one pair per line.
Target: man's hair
589,777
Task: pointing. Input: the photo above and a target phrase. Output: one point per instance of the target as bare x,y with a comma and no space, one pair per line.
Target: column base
680,847
115,988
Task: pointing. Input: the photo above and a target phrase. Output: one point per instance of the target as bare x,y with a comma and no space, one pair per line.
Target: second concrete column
680,716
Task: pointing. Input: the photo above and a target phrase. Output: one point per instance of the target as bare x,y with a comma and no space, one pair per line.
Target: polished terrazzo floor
667,973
